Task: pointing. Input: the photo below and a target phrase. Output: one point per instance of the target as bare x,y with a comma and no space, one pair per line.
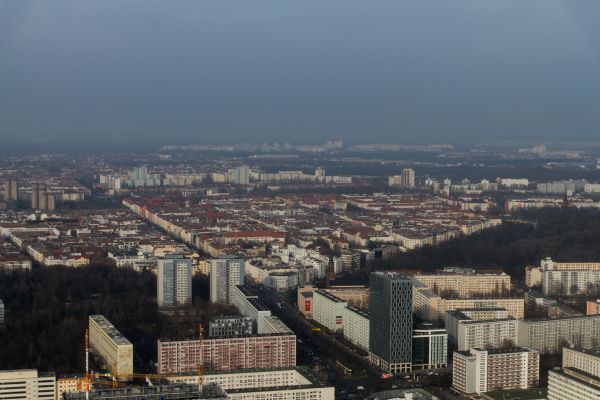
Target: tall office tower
408,178
390,331
174,282
11,189
225,274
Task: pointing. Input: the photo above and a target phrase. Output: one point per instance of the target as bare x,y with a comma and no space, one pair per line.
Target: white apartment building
225,274
249,305
584,360
174,282
579,378
114,348
432,307
265,384
467,333
572,384
27,384
356,327
465,282
568,278
550,335
479,371
329,310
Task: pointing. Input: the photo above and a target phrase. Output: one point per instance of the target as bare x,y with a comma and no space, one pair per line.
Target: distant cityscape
279,271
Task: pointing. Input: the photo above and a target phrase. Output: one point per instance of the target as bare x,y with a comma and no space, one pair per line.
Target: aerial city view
315,200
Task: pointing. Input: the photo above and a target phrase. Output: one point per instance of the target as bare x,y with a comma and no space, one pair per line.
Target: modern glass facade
390,332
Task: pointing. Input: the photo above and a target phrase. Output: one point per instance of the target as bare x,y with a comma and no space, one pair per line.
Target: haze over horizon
150,72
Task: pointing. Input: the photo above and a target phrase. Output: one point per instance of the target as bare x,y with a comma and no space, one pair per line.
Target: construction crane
84,383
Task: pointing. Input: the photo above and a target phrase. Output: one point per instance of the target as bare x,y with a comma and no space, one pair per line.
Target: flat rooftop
330,296
110,329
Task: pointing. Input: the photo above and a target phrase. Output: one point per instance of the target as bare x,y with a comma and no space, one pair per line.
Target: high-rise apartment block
406,180
240,175
225,274
174,282
27,384
11,190
566,278
468,332
579,378
1,312
391,320
41,199
430,347
549,335
114,348
227,354
479,371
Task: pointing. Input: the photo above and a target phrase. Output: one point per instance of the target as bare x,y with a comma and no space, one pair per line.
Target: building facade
329,310
466,283
584,360
27,384
479,371
390,331
430,347
550,335
174,282
225,274
467,333
227,354
356,327
230,326
114,348
572,384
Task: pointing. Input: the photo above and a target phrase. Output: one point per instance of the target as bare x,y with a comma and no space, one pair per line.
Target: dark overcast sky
201,71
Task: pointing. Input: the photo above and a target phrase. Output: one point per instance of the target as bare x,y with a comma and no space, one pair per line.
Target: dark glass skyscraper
390,332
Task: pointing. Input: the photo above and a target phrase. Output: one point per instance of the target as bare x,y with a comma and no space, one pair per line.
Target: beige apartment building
431,307
466,283
114,348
